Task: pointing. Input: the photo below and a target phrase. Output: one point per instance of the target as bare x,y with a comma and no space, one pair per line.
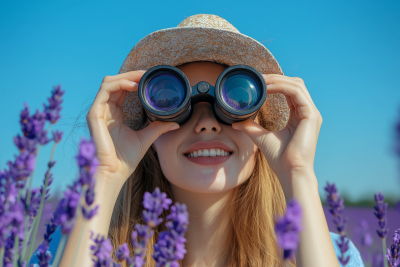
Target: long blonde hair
253,209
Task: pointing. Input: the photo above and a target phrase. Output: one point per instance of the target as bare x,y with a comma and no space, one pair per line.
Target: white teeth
213,152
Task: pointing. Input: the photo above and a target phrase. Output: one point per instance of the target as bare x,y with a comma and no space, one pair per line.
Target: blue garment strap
355,257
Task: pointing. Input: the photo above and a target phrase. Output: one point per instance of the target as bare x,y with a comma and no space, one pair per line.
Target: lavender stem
16,238
33,237
16,247
2,256
60,249
384,251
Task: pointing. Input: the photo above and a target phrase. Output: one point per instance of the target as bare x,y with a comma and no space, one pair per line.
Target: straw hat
202,37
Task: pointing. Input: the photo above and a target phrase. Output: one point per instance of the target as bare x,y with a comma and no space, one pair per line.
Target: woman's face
203,135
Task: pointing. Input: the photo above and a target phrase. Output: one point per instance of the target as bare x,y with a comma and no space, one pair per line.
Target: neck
209,227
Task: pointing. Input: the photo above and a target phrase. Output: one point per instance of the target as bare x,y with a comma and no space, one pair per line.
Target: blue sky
347,52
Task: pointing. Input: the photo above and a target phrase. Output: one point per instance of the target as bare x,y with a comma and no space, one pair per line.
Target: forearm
315,247
79,241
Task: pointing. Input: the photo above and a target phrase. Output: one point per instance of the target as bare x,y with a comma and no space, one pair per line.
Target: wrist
298,181
107,190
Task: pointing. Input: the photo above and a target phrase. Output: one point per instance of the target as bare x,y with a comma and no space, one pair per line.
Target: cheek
166,147
246,161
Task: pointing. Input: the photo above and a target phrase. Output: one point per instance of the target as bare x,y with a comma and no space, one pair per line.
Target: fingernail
234,126
269,85
141,71
133,83
173,127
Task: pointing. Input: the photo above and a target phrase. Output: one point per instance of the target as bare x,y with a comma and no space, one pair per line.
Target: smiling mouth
213,152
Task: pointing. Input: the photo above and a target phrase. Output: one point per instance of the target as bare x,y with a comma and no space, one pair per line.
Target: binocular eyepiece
166,94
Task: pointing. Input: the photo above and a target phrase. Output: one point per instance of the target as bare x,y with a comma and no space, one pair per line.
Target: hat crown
207,21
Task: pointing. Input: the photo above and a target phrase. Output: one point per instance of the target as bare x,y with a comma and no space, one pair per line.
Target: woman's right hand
119,148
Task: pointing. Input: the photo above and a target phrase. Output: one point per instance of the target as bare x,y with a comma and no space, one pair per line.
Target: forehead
202,71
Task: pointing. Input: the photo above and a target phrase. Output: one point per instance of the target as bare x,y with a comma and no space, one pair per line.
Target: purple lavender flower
89,213
21,168
57,135
67,207
380,213
122,252
51,227
87,162
336,208
139,239
32,126
25,144
101,251
16,214
50,179
154,205
287,229
89,195
170,247
54,107
44,255
32,208
393,254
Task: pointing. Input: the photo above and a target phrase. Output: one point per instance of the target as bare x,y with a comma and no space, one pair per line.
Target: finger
129,75
149,134
274,78
121,99
256,132
105,92
298,97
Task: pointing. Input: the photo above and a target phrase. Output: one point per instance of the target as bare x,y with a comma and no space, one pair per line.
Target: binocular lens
241,91
165,91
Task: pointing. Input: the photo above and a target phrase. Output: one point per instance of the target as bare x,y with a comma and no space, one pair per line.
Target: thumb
253,130
154,130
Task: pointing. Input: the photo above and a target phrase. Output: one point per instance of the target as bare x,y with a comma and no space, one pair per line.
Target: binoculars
166,94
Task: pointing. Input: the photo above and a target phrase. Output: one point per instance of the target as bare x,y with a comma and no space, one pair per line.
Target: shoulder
355,257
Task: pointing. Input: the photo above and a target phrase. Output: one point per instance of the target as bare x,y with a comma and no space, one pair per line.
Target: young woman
231,199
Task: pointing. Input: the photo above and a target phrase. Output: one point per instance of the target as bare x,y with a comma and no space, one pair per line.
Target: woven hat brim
179,45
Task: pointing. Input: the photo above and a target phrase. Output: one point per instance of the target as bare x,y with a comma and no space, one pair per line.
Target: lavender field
358,216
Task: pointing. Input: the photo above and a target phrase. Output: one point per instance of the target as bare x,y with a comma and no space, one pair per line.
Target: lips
201,145
208,153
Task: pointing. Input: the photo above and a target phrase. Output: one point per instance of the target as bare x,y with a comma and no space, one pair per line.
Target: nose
206,121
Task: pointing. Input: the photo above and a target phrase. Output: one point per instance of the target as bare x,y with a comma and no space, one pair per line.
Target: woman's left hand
292,149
